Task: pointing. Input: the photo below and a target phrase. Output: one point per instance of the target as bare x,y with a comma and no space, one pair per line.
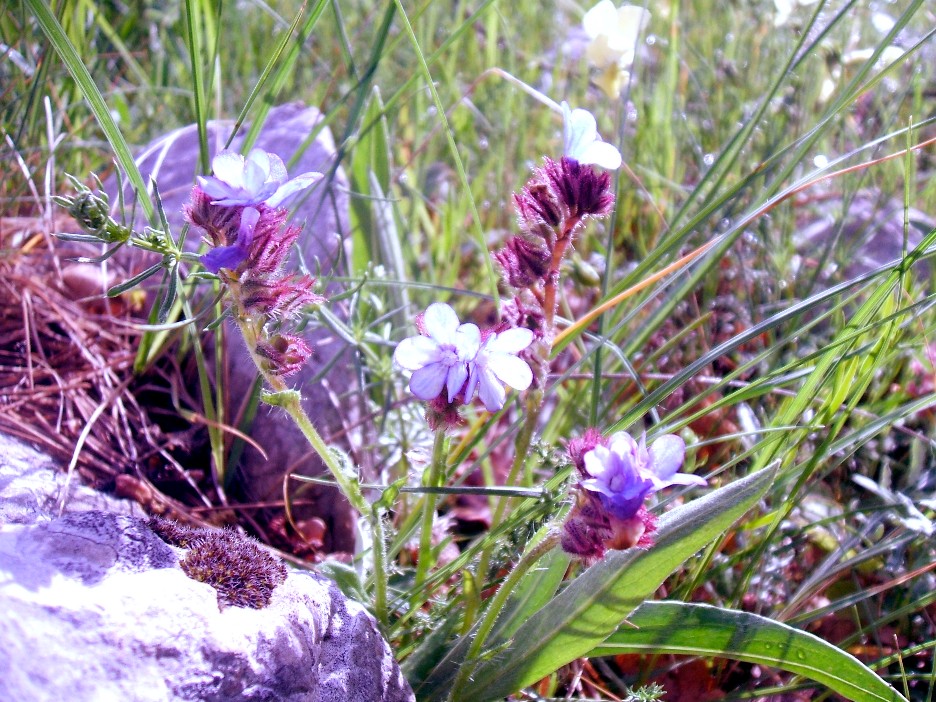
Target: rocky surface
94,606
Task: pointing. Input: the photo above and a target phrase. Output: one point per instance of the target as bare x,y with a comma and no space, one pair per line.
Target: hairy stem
436,470
527,561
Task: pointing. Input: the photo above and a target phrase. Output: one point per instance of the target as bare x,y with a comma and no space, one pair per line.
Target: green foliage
769,348
703,630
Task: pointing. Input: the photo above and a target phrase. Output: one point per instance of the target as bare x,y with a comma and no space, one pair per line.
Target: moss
241,571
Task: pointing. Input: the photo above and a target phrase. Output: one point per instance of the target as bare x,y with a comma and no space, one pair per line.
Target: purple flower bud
580,188
524,262
284,354
538,205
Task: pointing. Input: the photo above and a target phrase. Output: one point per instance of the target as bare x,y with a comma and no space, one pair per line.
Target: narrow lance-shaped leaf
593,605
703,630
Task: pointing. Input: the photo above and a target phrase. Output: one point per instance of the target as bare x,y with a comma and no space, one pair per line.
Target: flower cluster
551,208
237,208
450,362
618,473
236,566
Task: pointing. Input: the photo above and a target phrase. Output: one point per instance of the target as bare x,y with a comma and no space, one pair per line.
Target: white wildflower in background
785,9
260,178
582,141
613,33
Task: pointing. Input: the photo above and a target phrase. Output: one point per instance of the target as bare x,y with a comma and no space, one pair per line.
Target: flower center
618,482
449,355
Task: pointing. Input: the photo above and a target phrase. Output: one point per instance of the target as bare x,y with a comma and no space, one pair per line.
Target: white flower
260,178
582,142
439,360
497,364
614,33
785,8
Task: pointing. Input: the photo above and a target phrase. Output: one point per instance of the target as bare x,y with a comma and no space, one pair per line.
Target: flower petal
441,322
215,188
601,153
300,182
595,485
467,341
229,257
255,176
680,479
511,341
228,166
248,222
581,131
666,456
428,381
511,370
276,169
491,391
416,352
474,377
598,19
457,375
623,445
597,461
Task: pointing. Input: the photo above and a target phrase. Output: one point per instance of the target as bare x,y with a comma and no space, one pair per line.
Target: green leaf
593,605
345,577
703,630
79,73
532,593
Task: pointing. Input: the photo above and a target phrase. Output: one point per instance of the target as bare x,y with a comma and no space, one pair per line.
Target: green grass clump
799,373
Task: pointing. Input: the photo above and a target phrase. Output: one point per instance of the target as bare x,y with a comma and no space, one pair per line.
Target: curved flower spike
260,178
439,360
496,364
582,142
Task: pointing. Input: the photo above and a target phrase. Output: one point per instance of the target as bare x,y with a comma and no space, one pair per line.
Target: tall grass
802,383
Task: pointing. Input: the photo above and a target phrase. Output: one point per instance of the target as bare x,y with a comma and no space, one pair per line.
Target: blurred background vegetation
734,114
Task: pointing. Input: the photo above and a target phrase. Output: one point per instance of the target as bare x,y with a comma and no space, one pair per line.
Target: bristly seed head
241,571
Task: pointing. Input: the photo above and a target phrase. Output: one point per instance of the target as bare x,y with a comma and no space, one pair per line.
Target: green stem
527,561
291,402
381,572
436,470
534,401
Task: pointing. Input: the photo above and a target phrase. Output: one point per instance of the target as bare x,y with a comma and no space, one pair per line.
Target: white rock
94,606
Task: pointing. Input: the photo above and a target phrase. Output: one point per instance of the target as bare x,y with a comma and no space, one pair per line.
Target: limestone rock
32,487
94,606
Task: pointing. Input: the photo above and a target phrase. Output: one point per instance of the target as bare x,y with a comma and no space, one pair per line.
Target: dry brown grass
66,360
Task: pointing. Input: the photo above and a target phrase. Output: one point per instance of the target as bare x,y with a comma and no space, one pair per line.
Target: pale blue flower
582,142
439,359
230,257
496,364
625,472
260,178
